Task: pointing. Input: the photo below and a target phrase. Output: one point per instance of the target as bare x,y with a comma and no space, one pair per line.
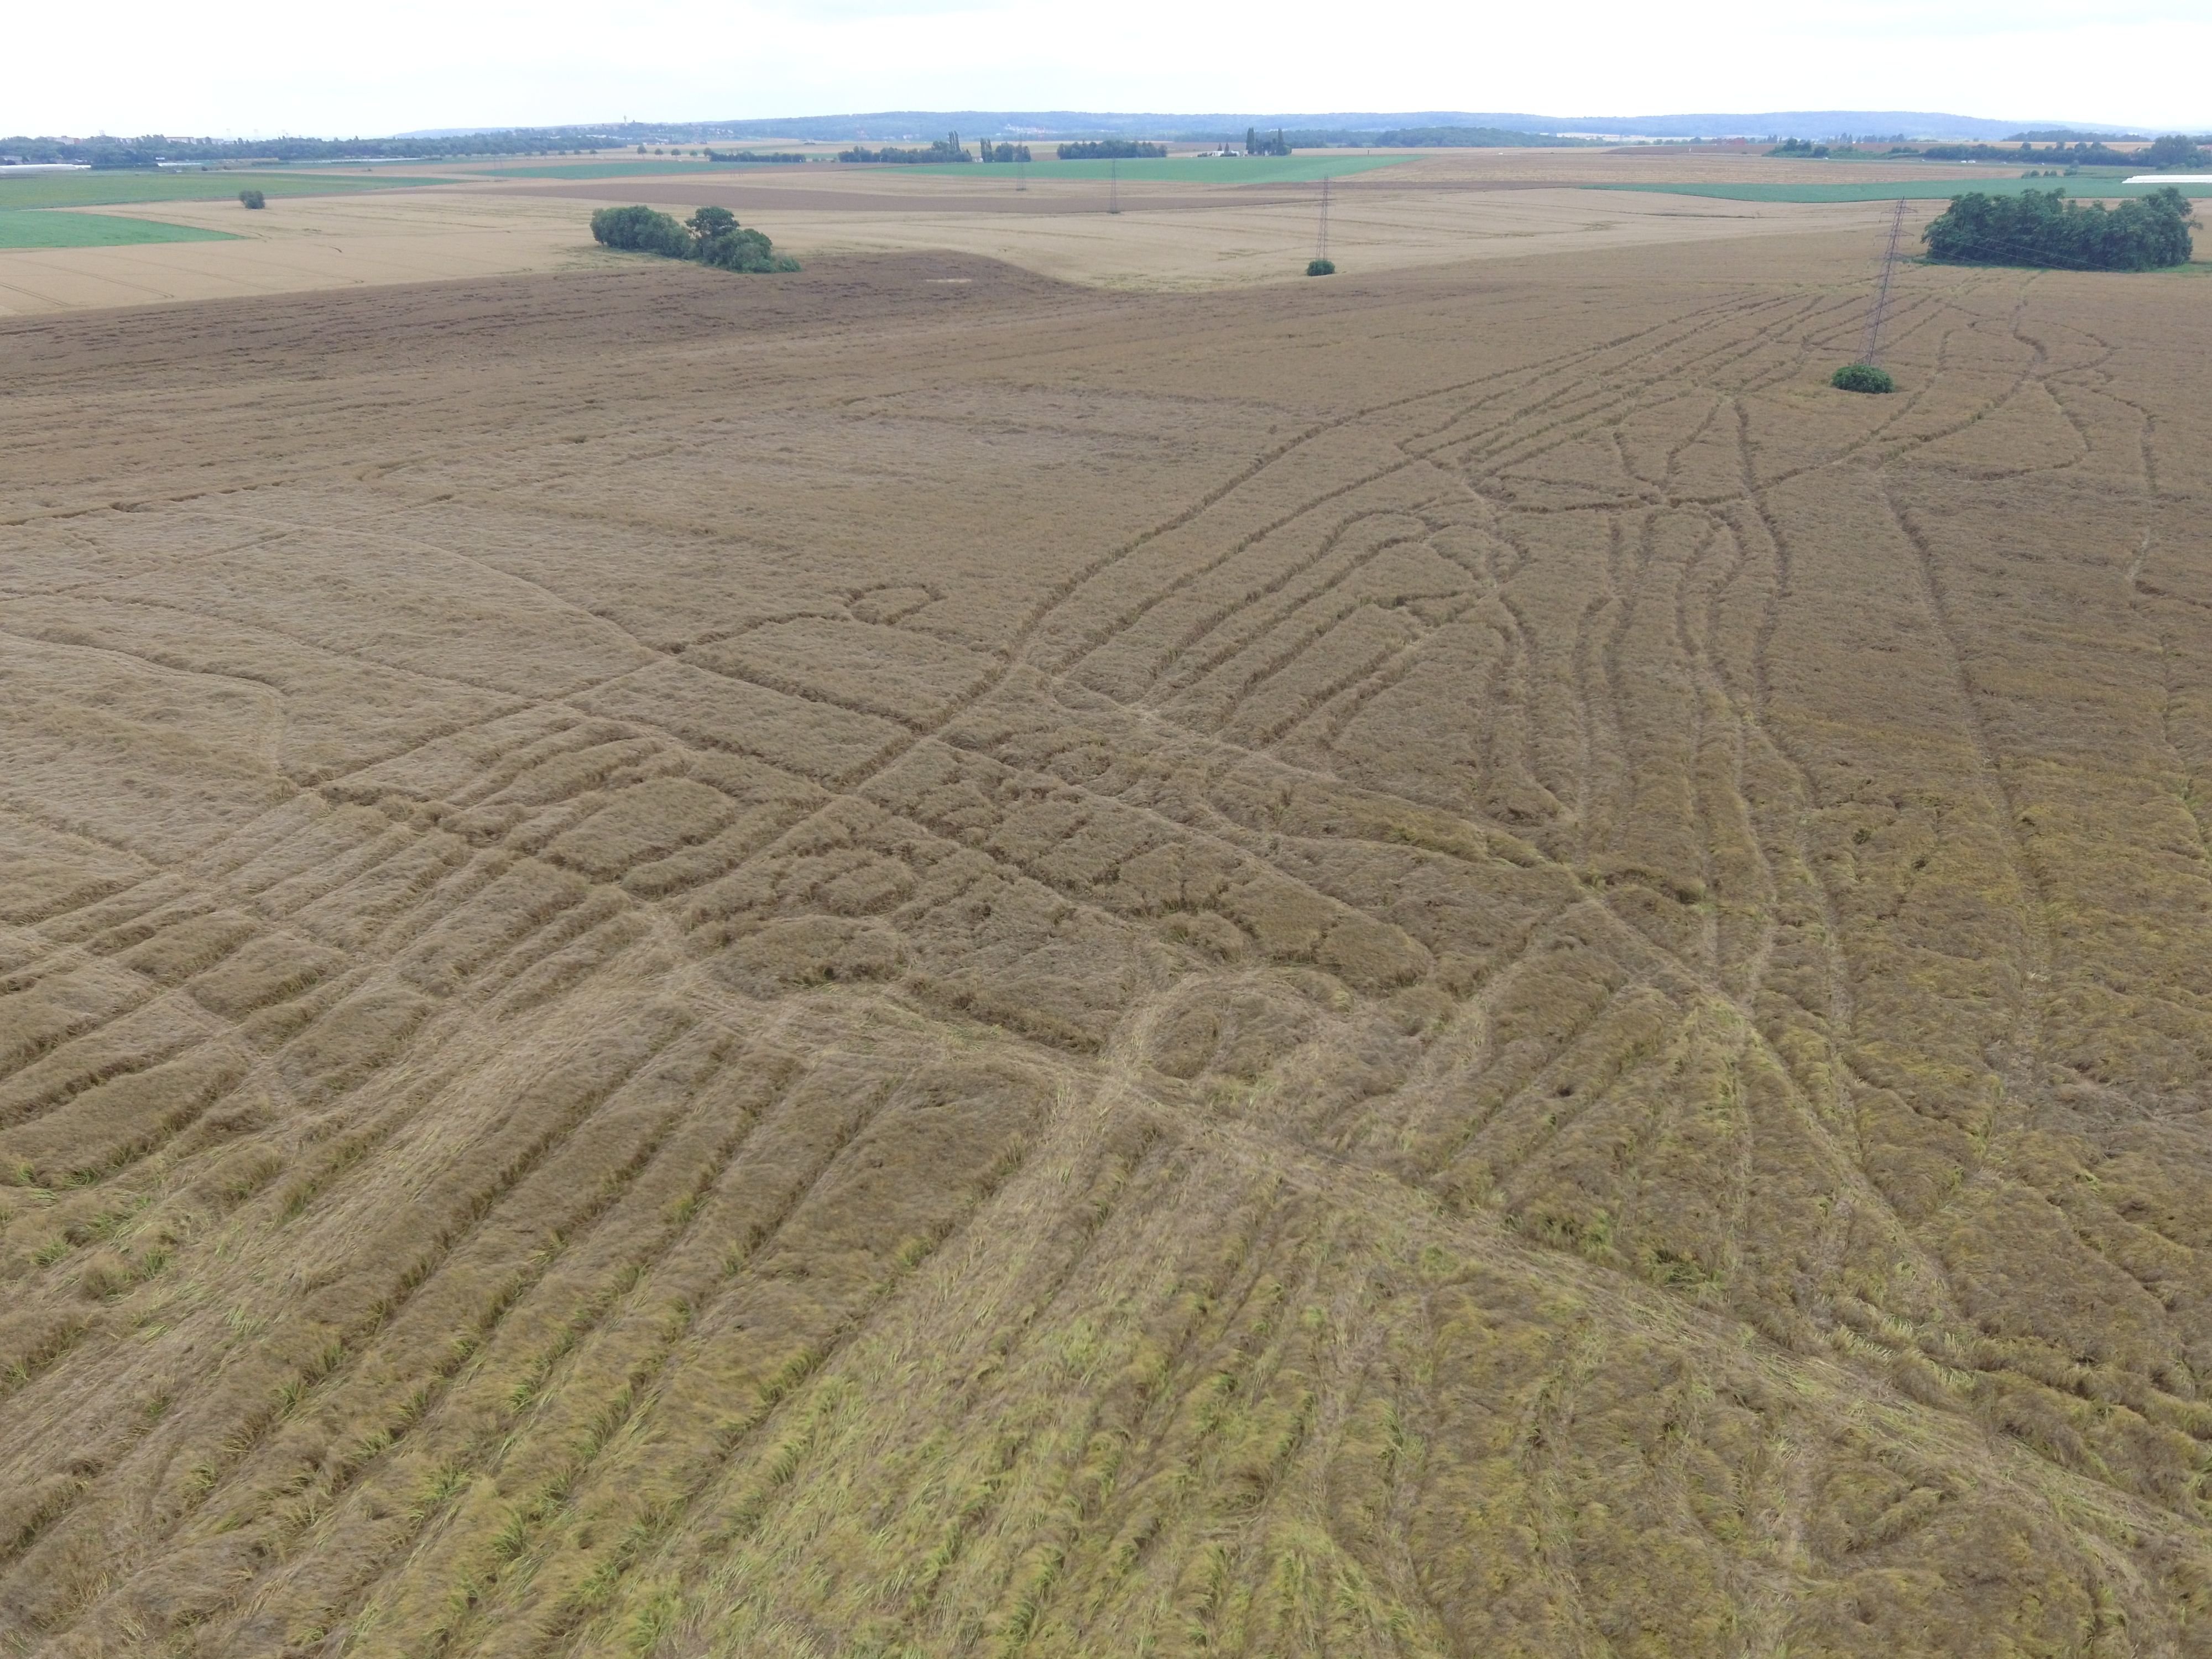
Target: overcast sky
257,67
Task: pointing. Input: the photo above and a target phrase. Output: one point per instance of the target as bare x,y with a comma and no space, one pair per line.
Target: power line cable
1871,355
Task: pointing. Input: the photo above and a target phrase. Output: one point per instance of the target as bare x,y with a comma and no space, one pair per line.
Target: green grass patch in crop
23,227
1910,190
122,188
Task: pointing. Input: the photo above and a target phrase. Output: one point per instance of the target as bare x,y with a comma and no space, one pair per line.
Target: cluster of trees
2176,152
947,149
992,152
1256,145
1804,149
753,155
2040,227
712,236
1112,150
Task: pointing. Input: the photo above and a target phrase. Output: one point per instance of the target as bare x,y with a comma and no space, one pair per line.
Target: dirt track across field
916,960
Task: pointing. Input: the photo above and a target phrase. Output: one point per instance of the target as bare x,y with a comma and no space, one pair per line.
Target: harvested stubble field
1172,234
905,961
222,250
1921,190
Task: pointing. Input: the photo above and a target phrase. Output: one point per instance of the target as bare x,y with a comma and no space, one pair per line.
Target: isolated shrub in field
2040,227
1321,267
252,198
641,230
1861,376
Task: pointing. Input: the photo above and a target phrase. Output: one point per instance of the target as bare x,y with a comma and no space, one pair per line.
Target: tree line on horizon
1112,150
945,149
2176,152
150,149
1469,138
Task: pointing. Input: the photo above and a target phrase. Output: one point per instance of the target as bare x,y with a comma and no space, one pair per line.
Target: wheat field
908,961
1169,236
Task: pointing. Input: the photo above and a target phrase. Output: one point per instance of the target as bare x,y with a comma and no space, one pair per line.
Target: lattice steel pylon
1871,352
1320,242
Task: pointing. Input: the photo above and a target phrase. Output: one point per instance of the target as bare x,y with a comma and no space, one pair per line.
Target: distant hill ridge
1302,131
1781,124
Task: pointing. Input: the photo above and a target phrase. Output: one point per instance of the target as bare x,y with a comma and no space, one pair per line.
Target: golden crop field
304,243
1428,209
911,961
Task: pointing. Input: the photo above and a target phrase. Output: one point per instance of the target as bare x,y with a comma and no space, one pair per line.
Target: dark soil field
906,960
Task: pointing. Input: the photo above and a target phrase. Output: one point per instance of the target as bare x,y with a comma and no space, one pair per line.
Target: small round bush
1861,376
1321,267
252,198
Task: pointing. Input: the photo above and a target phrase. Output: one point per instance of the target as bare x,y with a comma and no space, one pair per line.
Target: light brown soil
914,961
1434,209
301,243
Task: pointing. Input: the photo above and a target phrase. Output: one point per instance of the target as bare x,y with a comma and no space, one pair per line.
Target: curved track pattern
893,966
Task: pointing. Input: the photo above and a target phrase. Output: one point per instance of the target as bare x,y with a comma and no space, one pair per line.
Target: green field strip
28,227
122,189
1909,190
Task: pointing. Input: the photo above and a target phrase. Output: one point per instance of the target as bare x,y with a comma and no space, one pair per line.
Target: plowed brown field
905,961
